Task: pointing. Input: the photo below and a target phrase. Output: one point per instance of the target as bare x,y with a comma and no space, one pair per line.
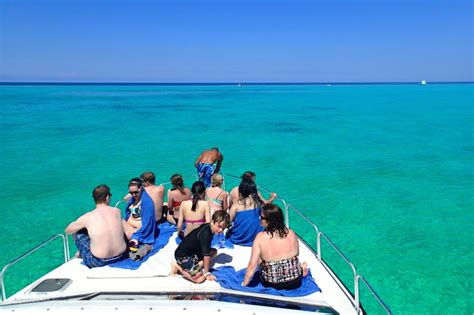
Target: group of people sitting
199,213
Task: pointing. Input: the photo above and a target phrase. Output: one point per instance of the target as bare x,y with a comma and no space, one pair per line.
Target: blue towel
246,226
219,241
148,231
164,233
230,279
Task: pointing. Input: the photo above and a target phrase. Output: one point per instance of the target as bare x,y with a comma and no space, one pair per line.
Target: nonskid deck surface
153,276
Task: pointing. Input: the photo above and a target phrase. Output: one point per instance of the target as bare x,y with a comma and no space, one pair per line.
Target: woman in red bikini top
194,212
176,196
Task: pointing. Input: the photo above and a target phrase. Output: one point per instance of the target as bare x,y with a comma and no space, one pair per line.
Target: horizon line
227,83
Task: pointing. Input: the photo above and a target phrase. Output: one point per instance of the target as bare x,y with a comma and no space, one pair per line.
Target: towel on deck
230,279
219,241
246,227
165,230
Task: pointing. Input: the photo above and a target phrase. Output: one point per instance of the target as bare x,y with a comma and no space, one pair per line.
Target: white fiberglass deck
153,277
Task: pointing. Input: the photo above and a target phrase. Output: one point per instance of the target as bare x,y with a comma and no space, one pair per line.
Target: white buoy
423,82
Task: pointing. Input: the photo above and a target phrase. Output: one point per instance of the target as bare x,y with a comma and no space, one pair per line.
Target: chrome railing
320,235
377,297
34,249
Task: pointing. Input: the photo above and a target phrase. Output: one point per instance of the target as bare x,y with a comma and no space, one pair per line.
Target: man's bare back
157,194
210,157
104,227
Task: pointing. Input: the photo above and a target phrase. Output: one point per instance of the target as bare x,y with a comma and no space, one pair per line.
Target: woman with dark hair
276,250
196,211
176,196
245,215
249,176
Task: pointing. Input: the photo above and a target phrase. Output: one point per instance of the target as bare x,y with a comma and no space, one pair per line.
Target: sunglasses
136,192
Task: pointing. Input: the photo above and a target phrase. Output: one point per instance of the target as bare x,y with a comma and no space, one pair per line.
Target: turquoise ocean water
386,171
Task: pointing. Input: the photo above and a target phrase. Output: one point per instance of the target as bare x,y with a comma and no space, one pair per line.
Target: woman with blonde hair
216,196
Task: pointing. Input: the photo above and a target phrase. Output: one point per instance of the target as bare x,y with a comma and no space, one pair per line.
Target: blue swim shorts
83,243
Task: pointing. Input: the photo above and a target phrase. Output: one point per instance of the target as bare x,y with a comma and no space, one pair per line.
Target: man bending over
205,165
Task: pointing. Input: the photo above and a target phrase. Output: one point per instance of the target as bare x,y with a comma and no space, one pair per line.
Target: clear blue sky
236,41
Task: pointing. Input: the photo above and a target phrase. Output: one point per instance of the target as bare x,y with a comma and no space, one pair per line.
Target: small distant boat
239,85
423,82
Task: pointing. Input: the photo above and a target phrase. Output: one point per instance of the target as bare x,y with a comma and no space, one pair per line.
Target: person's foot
304,265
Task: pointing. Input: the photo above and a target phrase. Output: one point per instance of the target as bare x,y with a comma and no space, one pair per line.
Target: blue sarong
246,226
205,172
230,279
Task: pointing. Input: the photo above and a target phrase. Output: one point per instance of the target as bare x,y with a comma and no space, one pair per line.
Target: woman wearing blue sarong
245,215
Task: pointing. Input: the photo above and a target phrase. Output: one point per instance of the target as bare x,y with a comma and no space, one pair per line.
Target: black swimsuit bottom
289,285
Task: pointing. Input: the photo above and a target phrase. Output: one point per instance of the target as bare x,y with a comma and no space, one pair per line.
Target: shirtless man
234,193
205,165
98,234
156,193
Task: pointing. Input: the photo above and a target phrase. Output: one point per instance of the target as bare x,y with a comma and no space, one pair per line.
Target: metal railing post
34,249
374,294
3,287
318,245
287,213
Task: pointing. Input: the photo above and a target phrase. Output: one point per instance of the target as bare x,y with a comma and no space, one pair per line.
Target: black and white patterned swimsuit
281,271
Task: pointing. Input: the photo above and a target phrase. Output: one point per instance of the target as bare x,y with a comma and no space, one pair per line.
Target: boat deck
153,277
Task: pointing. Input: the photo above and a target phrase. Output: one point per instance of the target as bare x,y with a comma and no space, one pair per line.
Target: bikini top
176,204
136,210
216,201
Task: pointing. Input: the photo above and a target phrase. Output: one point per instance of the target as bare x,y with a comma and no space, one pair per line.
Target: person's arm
180,219
232,212
207,213
127,197
234,191
219,164
269,200
197,160
77,225
161,197
254,258
207,263
225,204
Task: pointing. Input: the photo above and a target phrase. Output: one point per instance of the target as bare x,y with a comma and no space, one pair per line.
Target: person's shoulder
260,237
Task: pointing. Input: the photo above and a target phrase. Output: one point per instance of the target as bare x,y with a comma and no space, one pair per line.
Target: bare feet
304,265
174,269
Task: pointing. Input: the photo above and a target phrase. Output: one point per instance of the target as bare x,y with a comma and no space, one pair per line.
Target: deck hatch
51,285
